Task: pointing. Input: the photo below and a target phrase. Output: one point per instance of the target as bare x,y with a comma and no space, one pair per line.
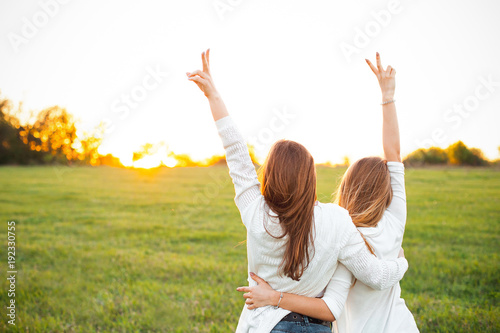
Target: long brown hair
288,179
365,191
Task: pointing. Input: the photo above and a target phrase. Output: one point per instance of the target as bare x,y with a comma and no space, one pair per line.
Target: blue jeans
302,327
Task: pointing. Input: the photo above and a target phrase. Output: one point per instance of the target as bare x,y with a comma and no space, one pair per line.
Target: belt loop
306,320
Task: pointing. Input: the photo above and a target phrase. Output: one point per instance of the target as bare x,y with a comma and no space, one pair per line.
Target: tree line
455,154
51,137
47,137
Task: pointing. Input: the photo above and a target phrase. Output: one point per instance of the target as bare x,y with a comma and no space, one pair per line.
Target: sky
285,69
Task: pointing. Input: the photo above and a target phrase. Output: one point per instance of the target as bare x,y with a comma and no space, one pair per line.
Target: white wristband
388,102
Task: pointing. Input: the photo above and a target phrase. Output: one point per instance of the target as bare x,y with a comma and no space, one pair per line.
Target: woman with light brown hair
373,191
293,241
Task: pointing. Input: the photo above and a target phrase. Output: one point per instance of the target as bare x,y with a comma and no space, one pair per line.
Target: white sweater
335,239
369,310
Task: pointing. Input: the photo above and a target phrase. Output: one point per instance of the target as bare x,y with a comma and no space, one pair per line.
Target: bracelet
278,305
388,102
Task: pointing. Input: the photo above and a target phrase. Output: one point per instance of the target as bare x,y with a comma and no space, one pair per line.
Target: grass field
116,250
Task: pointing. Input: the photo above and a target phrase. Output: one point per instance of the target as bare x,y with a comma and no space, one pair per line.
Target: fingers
387,72
208,59
205,62
244,289
249,301
379,71
379,63
374,70
198,80
390,72
204,75
257,279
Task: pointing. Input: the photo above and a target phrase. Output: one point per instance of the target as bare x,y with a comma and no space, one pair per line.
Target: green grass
117,250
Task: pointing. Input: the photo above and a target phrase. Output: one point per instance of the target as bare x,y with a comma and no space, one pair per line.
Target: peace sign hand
203,79
386,79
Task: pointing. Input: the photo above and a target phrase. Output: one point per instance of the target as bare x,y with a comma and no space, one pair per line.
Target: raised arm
326,308
390,137
241,168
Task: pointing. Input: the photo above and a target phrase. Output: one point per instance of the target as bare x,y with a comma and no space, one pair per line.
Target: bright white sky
266,56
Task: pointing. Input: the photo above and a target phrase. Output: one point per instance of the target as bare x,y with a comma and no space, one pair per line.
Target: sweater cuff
335,308
395,166
223,123
228,131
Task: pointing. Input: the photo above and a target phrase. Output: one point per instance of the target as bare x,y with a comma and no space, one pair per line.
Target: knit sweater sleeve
375,273
241,168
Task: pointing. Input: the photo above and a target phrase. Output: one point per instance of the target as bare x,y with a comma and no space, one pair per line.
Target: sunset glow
306,58
154,160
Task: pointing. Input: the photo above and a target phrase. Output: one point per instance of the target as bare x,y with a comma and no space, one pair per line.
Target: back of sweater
265,254
335,239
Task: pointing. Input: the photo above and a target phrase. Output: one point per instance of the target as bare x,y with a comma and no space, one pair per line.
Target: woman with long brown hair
293,241
373,191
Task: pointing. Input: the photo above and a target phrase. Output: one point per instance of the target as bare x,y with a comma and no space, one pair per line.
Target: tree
431,156
436,155
12,149
145,150
109,160
459,154
49,136
184,160
346,161
456,154
87,145
54,133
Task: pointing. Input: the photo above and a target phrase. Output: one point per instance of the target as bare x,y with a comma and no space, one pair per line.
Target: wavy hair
365,191
288,179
